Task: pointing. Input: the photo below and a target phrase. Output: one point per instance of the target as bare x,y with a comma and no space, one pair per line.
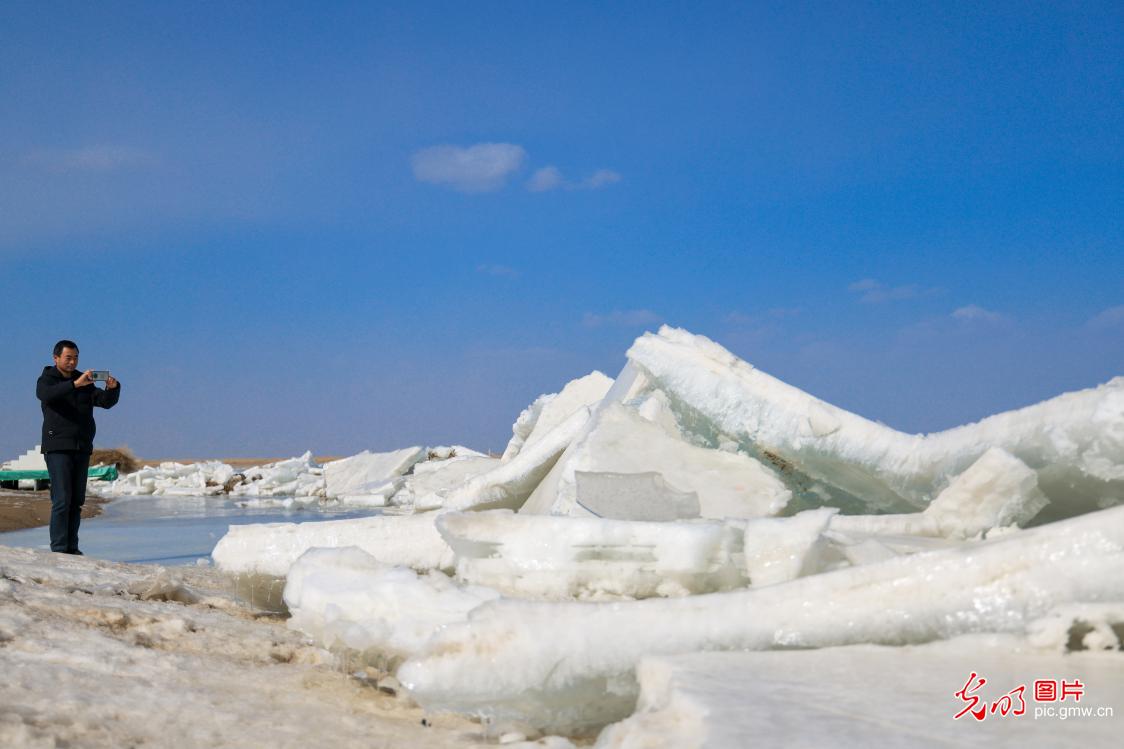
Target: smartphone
99,375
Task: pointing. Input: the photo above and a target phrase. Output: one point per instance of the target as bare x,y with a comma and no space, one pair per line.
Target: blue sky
340,226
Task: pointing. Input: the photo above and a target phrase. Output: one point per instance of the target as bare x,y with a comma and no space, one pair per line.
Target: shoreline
23,509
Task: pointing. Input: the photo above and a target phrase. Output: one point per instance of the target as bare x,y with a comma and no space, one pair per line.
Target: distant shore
30,509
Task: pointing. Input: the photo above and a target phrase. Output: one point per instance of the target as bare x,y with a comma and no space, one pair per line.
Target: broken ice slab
996,493
509,484
345,598
271,548
439,477
620,440
1075,442
540,556
550,410
359,473
553,664
633,496
863,696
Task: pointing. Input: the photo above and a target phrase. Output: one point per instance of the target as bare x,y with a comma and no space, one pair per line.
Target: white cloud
976,313
1109,318
551,178
97,158
629,318
602,178
480,168
502,271
547,178
761,318
871,291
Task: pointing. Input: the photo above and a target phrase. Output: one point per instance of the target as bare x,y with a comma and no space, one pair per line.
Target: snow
102,656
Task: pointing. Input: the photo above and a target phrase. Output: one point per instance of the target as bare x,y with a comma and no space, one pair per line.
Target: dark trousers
68,470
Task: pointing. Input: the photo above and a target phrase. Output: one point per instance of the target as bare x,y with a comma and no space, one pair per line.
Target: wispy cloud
547,178
501,271
483,167
94,158
761,318
976,313
551,178
629,318
871,291
1108,318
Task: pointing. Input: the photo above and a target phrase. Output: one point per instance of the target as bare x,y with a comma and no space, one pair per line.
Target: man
68,399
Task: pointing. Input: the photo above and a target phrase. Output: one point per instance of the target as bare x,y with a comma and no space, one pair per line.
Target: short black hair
65,344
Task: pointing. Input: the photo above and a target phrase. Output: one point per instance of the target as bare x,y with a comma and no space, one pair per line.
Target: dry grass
122,457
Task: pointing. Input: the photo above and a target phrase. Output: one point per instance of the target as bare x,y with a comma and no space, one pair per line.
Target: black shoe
76,553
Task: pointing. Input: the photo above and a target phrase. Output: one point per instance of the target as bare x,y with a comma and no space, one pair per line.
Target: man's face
67,361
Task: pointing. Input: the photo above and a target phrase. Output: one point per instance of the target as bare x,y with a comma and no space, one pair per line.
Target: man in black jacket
68,399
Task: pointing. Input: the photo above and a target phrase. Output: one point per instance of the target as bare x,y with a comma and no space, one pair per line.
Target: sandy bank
27,509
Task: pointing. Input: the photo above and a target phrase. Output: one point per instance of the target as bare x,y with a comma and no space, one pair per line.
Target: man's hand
84,380
110,383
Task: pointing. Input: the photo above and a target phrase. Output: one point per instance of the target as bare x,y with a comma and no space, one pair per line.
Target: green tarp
101,473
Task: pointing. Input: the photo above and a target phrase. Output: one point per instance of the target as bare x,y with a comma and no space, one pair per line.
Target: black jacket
68,412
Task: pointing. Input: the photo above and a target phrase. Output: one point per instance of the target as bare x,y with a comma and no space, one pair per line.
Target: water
169,530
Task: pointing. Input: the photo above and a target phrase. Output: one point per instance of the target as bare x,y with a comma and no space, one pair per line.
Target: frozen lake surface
169,530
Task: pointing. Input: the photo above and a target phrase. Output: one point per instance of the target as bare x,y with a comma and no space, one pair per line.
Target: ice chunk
619,440
634,496
854,698
1075,442
271,548
500,663
997,490
195,479
549,411
540,556
439,477
509,484
782,549
344,597
295,477
359,473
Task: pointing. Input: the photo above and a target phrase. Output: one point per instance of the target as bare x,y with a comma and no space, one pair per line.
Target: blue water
168,530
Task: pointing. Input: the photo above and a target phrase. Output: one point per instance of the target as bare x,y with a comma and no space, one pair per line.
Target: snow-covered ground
697,554
98,654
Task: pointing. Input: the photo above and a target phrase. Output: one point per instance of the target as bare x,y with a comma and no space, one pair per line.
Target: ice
207,478
540,556
500,662
369,473
841,697
781,549
511,483
271,548
1075,442
344,597
102,656
634,496
996,491
620,440
439,477
548,411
